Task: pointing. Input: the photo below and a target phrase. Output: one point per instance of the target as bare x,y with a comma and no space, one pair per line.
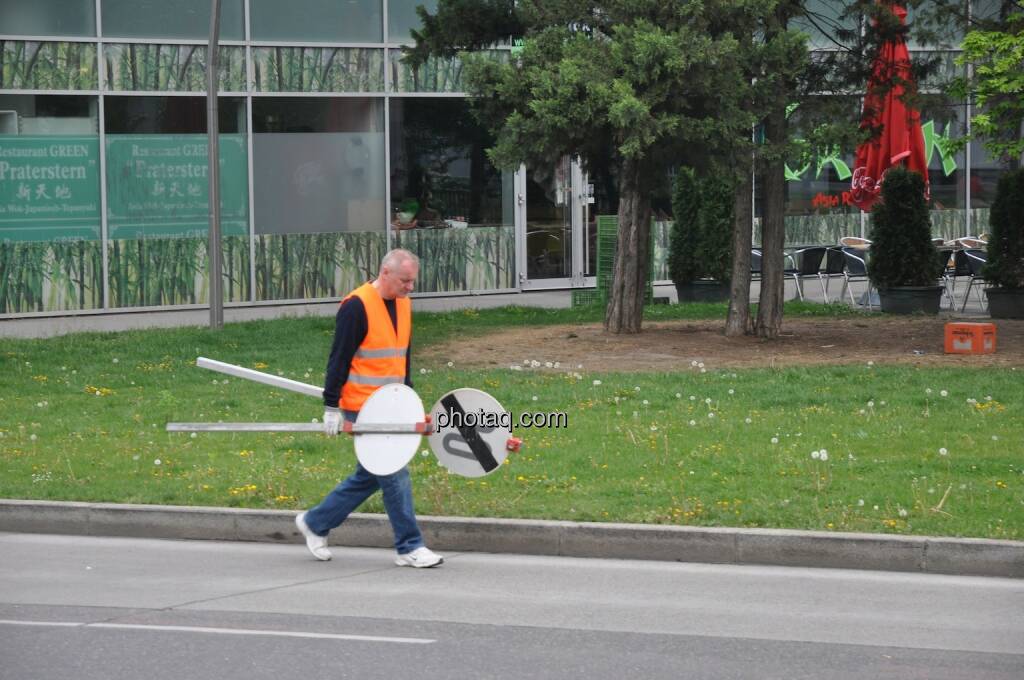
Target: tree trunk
629,279
737,322
773,233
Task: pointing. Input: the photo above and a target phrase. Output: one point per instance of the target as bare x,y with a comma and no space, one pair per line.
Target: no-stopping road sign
471,432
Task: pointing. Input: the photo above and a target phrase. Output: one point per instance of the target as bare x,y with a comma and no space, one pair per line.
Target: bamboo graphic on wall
32,65
318,69
173,68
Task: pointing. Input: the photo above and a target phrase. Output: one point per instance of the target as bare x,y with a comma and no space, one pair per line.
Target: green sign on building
158,186
49,188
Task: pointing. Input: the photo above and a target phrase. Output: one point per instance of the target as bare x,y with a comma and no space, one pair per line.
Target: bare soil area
667,346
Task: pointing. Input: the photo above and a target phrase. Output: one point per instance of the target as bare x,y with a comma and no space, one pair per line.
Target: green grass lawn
906,449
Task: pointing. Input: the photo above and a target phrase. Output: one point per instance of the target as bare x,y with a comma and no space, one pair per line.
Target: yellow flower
259,364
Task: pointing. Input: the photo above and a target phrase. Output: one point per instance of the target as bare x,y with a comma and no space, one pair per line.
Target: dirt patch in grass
668,346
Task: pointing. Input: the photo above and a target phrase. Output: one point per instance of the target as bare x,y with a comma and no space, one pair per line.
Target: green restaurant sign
158,186
49,188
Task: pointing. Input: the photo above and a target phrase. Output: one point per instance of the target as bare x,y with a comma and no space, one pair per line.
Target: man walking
371,349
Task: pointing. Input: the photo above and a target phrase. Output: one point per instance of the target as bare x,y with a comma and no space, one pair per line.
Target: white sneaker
420,558
316,544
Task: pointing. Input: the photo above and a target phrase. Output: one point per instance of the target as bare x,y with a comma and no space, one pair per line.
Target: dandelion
692,423
815,455
943,451
193,435
943,393
748,421
115,360
646,403
928,390
693,398
875,507
860,503
871,363
548,364
450,364
654,428
711,415
871,404
535,397
775,440
424,453
33,437
423,371
679,395
700,364
824,455
597,383
693,364
636,389
135,457
157,462
703,370
995,437
732,391
903,512
707,401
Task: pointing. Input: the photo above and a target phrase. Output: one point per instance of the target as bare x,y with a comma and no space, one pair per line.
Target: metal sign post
391,424
213,160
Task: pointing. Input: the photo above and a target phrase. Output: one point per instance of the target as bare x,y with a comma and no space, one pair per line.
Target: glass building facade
332,151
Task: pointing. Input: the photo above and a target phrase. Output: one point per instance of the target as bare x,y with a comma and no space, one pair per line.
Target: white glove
332,420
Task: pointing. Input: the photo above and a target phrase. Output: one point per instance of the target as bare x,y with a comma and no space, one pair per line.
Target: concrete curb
962,556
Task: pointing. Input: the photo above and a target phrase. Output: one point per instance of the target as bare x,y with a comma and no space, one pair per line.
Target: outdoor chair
856,270
755,264
835,265
971,242
974,259
806,263
945,270
956,269
854,242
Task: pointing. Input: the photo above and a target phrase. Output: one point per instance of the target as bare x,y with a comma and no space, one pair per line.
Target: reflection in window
158,200
360,21
319,165
440,174
402,18
187,19
49,204
48,17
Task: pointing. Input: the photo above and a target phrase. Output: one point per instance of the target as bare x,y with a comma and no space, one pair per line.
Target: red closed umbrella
901,139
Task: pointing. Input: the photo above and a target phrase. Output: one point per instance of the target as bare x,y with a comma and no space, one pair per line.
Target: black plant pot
1005,303
911,299
702,291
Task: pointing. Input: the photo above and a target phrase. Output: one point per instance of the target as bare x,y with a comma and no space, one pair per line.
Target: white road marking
222,631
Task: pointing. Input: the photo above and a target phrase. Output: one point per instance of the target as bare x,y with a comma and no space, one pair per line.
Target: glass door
550,221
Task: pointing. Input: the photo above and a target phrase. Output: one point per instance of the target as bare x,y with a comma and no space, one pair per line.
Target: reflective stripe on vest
380,359
381,353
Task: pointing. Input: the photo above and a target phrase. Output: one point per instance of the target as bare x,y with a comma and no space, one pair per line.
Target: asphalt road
111,609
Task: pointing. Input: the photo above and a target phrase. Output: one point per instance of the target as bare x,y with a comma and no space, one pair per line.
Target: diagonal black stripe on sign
478,446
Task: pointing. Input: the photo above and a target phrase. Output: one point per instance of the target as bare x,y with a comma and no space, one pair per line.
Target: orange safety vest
380,359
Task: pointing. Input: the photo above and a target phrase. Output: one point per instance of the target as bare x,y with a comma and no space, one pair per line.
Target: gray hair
396,257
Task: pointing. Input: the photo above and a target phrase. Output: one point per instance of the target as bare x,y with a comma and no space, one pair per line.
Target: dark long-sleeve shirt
350,329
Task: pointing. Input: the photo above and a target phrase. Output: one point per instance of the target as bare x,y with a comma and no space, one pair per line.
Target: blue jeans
360,485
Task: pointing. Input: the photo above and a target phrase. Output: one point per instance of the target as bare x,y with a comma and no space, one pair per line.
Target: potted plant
700,247
904,264
1004,270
